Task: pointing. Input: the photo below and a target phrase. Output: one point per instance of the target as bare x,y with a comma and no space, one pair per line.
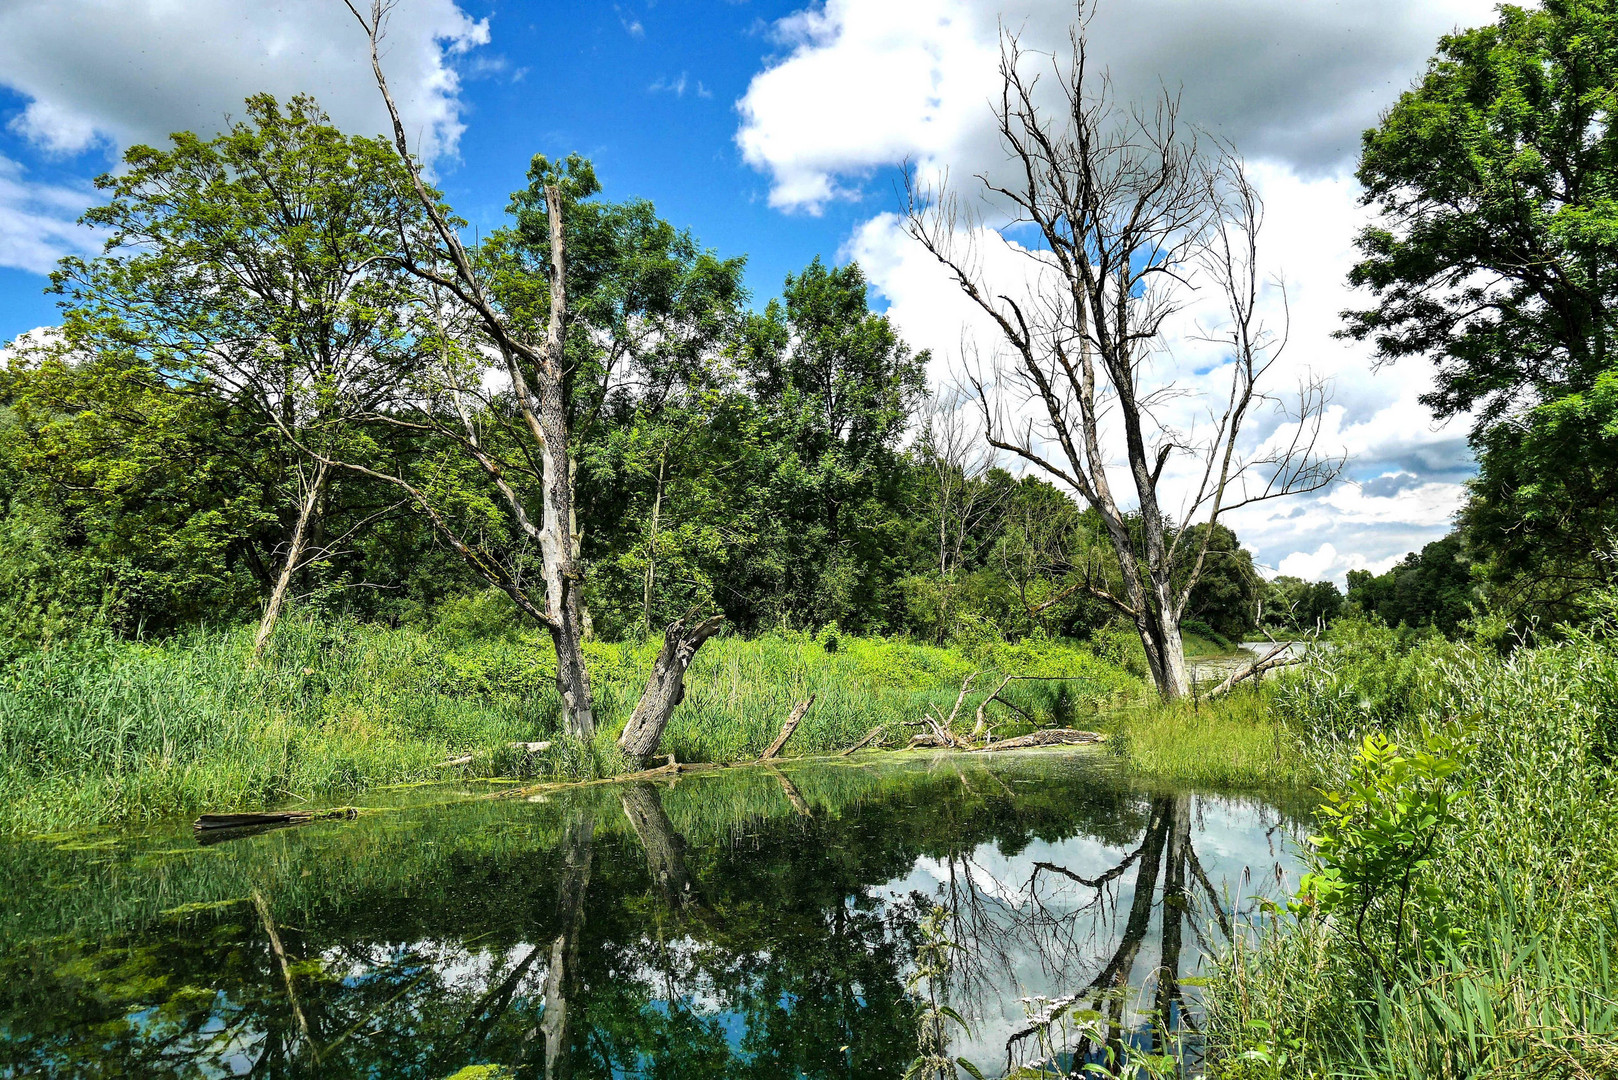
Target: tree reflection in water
758,924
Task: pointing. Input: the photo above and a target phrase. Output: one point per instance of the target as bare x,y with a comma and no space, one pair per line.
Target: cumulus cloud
1290,84
37,220
1286,81
106,74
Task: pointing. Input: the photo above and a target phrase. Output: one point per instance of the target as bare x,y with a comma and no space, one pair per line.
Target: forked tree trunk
543,410
307,511
666,687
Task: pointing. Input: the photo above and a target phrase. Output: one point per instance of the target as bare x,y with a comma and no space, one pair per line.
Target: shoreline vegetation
1480,950
98,731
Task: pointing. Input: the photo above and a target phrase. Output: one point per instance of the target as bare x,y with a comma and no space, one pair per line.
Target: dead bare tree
1135,211
467,321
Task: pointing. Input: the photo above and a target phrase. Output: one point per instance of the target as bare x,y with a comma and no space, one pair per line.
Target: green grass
1235,741
108,731
1492,955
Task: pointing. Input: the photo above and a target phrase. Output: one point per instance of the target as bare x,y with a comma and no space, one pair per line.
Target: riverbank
107,732
1460,919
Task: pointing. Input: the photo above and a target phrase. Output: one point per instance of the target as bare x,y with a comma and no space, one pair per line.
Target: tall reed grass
101,731
1503,964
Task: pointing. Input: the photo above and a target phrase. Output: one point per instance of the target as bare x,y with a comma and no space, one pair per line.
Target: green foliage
1500,967
1227,594
101,730
1235,741
1377,836
1292,605
1433,588
1494,259
836,386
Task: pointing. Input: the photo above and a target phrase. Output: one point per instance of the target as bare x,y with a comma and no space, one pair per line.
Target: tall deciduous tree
1129,207
1495,257
838,386
512,303
251,267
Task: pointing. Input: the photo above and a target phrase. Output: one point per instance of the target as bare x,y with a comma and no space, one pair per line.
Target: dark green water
746,923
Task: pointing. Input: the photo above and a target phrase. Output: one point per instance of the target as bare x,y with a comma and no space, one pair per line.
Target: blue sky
775,129
648,92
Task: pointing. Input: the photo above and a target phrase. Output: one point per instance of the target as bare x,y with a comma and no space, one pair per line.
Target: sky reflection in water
749,923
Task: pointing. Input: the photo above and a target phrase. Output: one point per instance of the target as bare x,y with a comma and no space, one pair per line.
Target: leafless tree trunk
447,269
666,687
1134,212
296,545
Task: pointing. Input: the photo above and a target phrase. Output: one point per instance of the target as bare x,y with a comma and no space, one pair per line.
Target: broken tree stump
798,712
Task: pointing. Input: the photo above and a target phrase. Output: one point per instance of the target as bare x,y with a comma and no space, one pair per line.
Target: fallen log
273,817
1047,737
1270,660
870,737
797,714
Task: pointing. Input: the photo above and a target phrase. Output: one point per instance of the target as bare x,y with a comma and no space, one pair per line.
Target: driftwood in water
870,736
1047,737
274,817
797,714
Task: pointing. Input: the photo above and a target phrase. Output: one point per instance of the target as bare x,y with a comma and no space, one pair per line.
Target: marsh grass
1503,963
1235,741
106,731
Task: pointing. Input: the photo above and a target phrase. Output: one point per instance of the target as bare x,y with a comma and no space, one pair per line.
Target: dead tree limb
1275,658
797,714
870,736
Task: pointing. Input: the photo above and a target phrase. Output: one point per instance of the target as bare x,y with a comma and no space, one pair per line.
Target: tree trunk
1165,650
664,847
666,687
562,977
295,548
558,537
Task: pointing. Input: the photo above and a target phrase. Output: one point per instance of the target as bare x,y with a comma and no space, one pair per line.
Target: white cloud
1292,84
865,85
37,220
670,86
1325,564
112,73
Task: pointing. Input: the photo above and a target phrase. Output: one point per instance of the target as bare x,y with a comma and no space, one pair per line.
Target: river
752,922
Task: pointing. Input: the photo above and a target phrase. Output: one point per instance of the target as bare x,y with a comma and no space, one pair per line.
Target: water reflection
760,923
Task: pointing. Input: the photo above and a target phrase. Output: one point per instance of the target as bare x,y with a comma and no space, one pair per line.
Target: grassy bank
1236,741
1462,918
115,731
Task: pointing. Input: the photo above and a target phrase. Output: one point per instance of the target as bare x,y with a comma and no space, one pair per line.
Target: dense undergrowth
1460,916
100,730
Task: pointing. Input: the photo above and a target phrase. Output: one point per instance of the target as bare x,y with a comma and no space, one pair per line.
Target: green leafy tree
253,268
1432,588
1495,257
1292,604
838,386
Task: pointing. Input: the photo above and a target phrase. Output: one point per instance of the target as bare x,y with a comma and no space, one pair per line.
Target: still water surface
744,923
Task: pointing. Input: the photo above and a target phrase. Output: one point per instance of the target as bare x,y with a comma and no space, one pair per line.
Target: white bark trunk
295,549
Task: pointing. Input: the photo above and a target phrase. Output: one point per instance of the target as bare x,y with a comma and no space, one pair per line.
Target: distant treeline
783,465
